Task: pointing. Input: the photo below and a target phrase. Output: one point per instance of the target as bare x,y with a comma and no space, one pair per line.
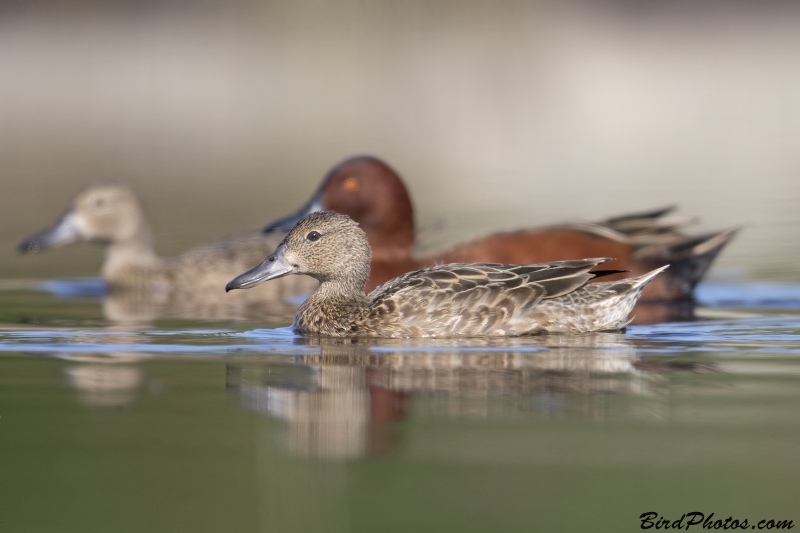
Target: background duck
447,300
113,215
373,194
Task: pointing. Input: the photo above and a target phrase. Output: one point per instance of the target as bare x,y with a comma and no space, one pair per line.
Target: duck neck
331,309
129,255
339,290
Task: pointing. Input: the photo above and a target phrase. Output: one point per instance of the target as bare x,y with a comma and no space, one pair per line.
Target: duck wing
637,229
474,298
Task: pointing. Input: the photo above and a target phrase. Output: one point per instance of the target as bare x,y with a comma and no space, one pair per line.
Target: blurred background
226,114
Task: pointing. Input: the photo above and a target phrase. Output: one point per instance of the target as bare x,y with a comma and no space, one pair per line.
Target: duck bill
283,225
274,266
64,231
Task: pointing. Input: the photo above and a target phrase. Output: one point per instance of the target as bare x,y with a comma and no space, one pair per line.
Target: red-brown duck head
370,192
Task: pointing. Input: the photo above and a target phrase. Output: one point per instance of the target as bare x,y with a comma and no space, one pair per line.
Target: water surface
177,424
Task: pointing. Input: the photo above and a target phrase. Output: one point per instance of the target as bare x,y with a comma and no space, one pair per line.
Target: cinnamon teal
373,194
451,300
113,216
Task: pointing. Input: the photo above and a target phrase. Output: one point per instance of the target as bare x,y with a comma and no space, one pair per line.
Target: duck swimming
373,194
113,215
451,300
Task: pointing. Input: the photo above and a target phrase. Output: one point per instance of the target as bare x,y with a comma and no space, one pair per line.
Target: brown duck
441,301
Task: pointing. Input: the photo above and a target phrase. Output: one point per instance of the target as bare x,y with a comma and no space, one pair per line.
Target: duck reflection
105,385
333,412
105,378
130,307
342,403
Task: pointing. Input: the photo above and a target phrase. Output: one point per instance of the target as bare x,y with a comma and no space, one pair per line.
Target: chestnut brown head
371,193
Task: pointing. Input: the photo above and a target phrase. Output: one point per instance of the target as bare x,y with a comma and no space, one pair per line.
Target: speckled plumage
466,299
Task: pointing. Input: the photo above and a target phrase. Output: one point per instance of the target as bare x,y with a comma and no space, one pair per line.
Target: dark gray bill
274,266
64,231
283,225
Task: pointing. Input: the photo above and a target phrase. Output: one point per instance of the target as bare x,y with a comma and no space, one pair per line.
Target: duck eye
313,236
99,202
350,184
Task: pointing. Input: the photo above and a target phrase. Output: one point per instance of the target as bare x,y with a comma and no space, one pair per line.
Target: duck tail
638,229
647,223
609,303
689,257
639,282
651,214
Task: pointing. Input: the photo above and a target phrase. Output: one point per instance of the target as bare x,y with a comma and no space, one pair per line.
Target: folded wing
477,299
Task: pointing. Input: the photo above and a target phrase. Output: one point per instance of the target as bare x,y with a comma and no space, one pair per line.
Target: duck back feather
499,300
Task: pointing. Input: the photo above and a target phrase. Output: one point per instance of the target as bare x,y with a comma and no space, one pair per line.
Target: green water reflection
184,446
197,426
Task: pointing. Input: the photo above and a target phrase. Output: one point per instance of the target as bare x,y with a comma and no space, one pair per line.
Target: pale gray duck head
107,214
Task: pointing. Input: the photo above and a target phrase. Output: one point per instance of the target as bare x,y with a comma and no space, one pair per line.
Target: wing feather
471,298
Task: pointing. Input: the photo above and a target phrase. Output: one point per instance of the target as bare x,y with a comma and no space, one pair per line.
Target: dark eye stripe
313,236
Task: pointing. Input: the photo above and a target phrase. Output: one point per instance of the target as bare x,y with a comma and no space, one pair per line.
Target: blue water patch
139,348
777,295
759,334
75,287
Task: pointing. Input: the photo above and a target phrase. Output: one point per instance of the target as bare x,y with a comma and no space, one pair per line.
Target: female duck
446,300
113,216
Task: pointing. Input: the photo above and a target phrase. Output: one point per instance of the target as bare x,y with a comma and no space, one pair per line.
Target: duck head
108,214
325,245
371,193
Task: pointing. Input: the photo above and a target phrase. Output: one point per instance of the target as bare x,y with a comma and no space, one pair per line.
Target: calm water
172,425
123,415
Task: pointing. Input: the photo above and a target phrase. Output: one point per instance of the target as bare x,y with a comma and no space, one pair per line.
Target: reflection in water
659,312
338,404
106,378
327,418
132,307
105,385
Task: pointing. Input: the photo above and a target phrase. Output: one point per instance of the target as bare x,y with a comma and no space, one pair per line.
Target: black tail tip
609,272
